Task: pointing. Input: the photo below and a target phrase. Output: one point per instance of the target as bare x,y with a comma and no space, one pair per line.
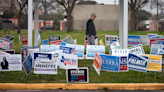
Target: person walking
90,30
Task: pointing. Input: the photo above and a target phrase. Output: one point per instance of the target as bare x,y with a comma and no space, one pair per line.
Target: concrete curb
90,86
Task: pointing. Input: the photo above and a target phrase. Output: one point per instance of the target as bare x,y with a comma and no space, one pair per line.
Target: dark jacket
4,66
90,29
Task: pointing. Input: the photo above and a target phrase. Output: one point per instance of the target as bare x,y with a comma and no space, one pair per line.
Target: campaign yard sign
150,35
56,56
63,43
24,40
144,40
101,42
27,64
111,63
67,50
56,42
79,51
68,39
19,39
109,38
154,48
77,75
4,44
49,48
123,64
11,51
11,40
120,52
91,49
39,38
97,63
53,38
136,49
4,53
45,67
45,42
27,50
68,61
160,51
160,42
11,62
154,41
137,63
155,63
133,40
157,37
115,45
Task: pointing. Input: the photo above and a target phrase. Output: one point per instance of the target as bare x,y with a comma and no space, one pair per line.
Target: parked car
48,27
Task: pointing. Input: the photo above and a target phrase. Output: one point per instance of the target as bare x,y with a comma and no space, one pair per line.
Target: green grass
104,77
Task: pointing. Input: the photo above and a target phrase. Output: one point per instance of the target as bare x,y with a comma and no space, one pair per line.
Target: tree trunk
45,12
132,22
19,22
69,22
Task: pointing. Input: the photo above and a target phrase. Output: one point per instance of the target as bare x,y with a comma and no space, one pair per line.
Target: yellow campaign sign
155,62
101,42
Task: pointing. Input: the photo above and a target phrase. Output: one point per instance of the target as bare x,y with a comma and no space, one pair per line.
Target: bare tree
68,5
47,5
21,4
134,6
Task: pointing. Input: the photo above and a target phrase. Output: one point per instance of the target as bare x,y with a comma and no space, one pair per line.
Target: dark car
48,27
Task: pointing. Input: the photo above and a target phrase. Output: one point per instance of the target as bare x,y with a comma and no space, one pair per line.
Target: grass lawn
104,77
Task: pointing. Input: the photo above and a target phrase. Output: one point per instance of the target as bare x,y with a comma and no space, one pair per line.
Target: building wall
107,17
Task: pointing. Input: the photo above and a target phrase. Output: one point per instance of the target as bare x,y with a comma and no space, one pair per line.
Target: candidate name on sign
79,75
68,61
133,40
123,64
137,63
109,38
54,38
137,49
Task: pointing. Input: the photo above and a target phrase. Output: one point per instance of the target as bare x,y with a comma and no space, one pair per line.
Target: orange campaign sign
24,40
97,63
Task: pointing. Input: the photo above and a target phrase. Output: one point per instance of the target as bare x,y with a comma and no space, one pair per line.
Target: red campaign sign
56,42
123,63
153,41
24,40
4,44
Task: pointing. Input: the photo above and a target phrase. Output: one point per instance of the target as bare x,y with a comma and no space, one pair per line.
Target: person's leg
89,40
93,39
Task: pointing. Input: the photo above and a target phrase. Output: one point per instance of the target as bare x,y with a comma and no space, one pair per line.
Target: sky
117,2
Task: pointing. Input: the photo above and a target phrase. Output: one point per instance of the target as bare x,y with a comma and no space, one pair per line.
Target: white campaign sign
136,49
11,62
68,61
110,37
155,47
144,40
115,45
120,52
45,67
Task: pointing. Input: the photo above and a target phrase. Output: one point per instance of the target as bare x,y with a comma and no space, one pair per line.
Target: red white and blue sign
123,64
133,40
137,63
67,50
68,61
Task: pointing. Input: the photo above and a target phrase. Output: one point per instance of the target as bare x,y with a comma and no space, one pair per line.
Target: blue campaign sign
111,41
133,40
111,63
123,63
137,63
79,51
63,43
155,47
160,42
45,42
42,56
27,64
67,50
